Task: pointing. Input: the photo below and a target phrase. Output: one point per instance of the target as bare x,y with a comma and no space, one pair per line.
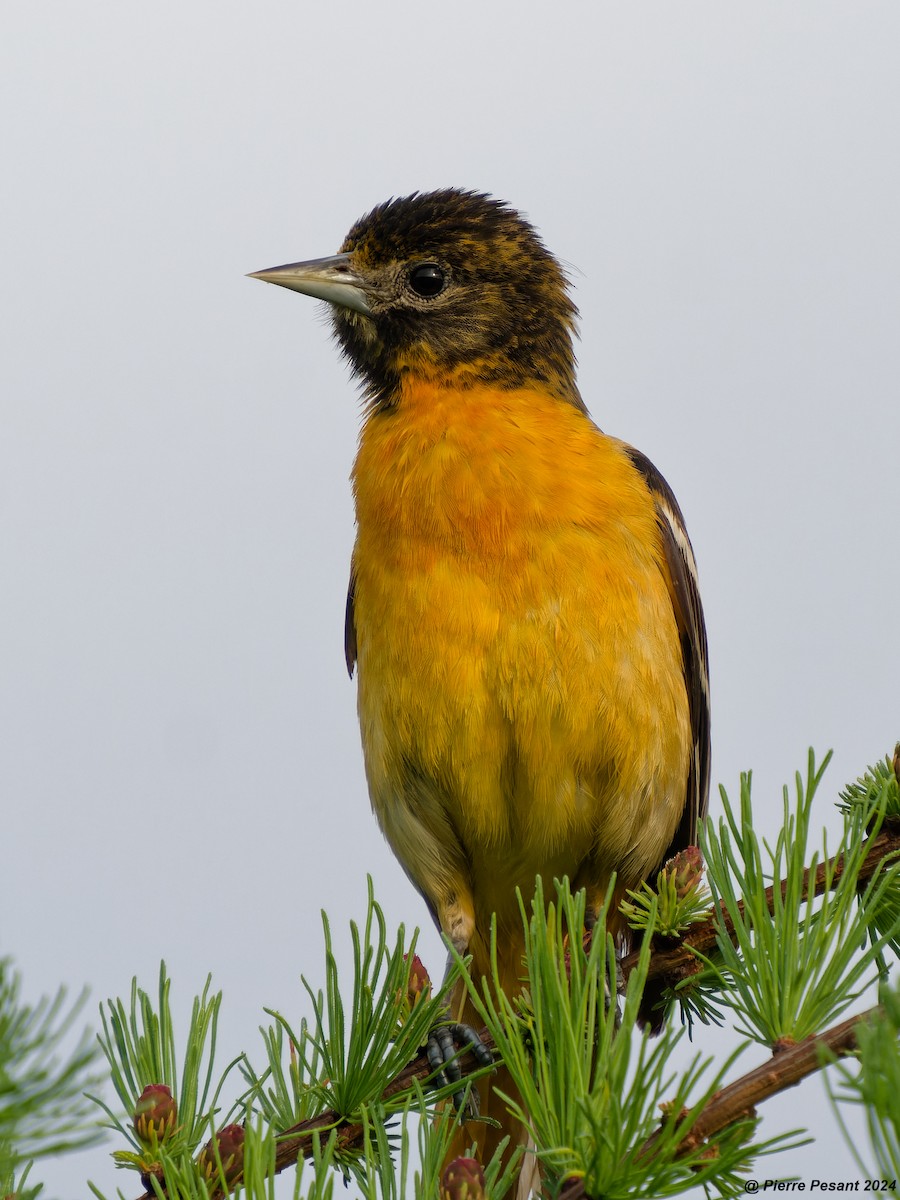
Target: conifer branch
297,1142
670,964
737,1101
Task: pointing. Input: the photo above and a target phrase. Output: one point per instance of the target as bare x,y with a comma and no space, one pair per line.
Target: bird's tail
497,1090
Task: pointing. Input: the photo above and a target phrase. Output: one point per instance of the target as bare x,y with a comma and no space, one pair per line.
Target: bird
523,612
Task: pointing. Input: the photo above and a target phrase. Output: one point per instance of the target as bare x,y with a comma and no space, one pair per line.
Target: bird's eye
427,280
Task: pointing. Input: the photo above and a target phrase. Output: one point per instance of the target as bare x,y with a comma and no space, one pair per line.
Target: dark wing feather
350,625
692,629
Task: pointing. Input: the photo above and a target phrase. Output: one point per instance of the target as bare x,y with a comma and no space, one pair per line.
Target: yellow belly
521,691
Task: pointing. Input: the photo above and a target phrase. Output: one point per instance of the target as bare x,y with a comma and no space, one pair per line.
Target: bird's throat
467,469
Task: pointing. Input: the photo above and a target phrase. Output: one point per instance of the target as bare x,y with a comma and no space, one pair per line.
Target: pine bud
155,1113
230,1143
687,869
419,982
463,1179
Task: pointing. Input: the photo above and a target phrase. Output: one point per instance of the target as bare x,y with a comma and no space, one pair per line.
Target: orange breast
520,682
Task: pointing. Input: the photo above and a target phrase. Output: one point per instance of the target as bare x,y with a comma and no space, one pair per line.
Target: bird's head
451,285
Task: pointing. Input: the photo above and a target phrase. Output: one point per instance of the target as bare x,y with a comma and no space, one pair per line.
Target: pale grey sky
179,761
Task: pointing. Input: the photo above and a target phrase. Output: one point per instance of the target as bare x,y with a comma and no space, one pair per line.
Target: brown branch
298,1141
738,1100
669,965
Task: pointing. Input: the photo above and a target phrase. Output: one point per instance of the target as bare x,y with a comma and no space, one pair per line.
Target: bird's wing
350,625
692,630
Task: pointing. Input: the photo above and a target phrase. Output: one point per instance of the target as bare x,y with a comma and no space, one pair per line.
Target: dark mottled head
446,283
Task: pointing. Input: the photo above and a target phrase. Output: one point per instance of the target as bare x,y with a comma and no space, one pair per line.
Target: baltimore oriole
523,604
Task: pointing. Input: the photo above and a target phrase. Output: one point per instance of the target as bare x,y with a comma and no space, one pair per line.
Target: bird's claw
446,1043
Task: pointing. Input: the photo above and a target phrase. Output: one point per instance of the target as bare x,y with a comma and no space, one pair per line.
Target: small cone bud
419,980
687,868
155,1113
463,1179
230,1143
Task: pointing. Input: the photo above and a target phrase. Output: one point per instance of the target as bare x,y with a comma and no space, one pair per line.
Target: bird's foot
446,1043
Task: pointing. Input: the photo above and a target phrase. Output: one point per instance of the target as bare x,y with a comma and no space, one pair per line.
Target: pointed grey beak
331,279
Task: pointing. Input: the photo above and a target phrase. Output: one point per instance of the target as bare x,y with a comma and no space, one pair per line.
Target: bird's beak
331,279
